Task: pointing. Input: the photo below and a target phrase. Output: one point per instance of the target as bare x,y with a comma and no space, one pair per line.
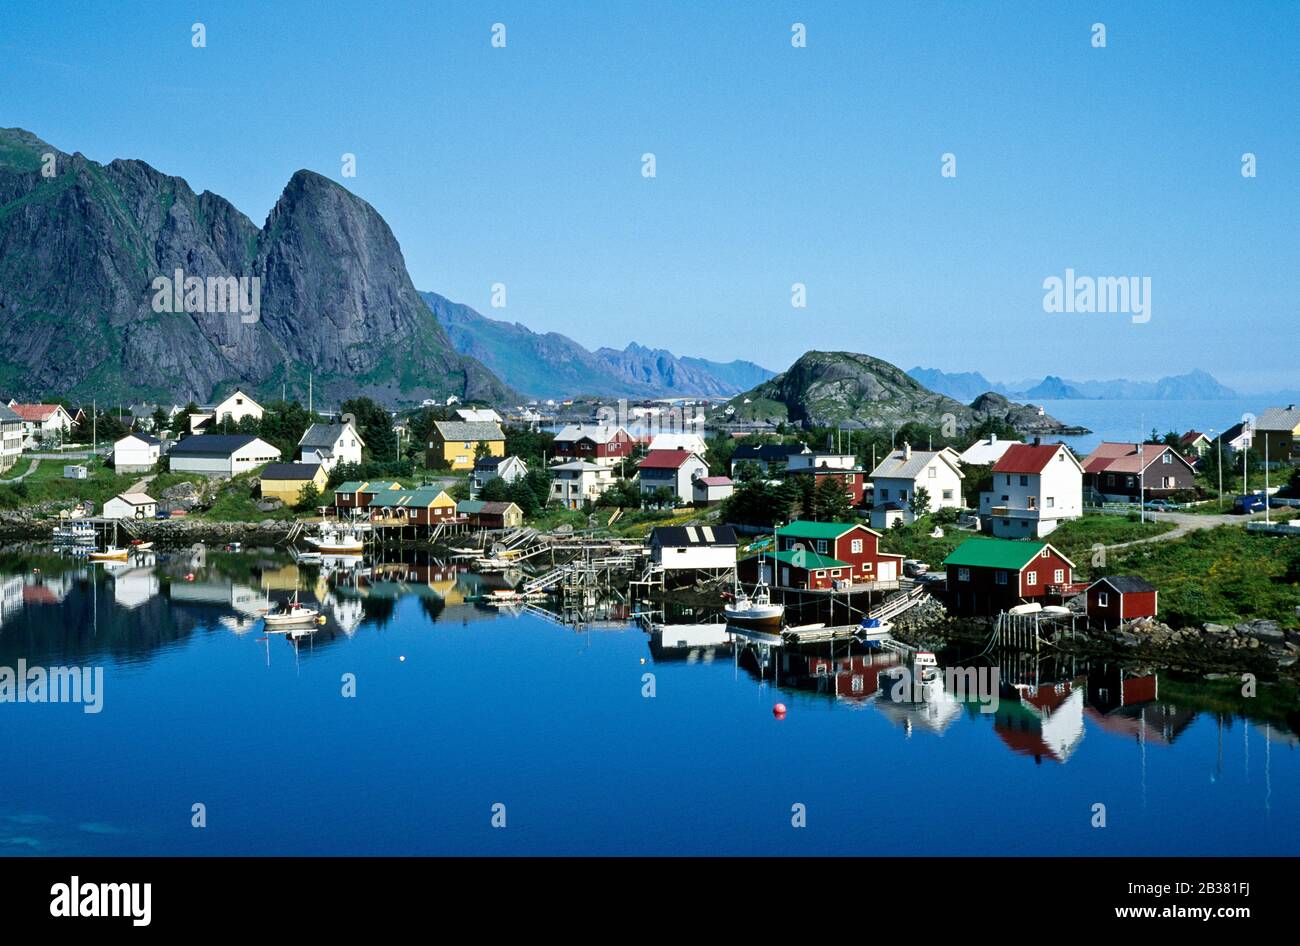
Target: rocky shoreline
1260,646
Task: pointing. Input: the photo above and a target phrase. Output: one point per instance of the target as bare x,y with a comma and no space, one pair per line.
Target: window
1024,481
866,567
1103,599
947,494
856,546
1044,553
1167,458
1058,576
1110,479
1001,578
835,572
1051,502
933,472
884,494
821,546
1031,579
963,574
1008,479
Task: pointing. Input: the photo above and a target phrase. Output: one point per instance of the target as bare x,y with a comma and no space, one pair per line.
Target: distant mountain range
551,365
826,389
1194,385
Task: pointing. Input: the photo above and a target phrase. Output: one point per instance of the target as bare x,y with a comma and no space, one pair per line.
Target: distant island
1192,386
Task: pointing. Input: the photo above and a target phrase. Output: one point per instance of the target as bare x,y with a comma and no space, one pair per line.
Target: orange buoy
778,710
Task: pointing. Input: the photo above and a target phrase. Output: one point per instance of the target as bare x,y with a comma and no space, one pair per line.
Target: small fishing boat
111,553
291,614
336,542
139,545
753,609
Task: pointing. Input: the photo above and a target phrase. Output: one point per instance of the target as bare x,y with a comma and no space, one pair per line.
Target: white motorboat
291,614
332,541
754,609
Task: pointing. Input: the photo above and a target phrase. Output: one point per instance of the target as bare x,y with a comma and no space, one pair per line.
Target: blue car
1247,504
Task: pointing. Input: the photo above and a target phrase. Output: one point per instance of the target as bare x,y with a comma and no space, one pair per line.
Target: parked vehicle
1248,504
1159,505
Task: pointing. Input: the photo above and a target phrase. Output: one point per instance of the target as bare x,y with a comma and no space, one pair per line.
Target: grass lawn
47,484
1221,575
1076,539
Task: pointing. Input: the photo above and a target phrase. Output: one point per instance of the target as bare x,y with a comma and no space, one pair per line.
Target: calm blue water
1129,420
200,706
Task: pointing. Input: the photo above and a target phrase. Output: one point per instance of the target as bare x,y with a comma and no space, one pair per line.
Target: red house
816,556
986,576
593,443
1114,599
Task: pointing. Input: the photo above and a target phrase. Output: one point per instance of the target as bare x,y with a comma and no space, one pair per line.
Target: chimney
1038,441
993,439
907,450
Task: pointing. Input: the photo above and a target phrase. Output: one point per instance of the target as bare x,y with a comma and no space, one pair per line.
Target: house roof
499,508
666,459
1027,458
465,430
290,471
470,506
714,481
596,433
998,553
1110,457
1279,419
1126,584
488,463
1192,436
136,499
804,529
802,558
986,450
907,465
677,536
351,486
7,413
767,451
326,435
143,438
576,466
203,445
35,412
478,415
678,441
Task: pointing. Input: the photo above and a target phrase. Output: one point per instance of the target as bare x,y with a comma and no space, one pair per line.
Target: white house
130,506
46,421
897,477
675,469
510,469
986,451
1036,487
692,442
330,445
11,437
578,481
136,453
236,407
220,454
693,547
808,460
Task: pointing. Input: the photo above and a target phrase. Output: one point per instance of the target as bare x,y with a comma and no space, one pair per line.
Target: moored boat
291,614
754,609
336,542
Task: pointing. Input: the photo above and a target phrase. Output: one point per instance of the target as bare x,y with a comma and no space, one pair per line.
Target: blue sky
775,165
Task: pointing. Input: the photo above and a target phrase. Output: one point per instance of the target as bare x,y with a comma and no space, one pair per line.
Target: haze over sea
1127,420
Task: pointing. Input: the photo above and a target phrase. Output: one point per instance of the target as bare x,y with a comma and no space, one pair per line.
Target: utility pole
1266,519
1218,448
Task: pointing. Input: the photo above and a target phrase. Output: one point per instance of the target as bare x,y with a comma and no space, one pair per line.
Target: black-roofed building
767,457
220,454
1114,599
695,548
330,445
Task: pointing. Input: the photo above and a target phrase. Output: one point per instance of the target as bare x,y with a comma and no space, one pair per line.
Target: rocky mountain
552,365
853,390
1194,385
83,314
1052,388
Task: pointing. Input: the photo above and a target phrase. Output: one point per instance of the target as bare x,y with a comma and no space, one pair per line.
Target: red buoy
778,710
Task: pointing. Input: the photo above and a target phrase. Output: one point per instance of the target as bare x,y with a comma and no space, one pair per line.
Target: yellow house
286,481
456,443
1277,435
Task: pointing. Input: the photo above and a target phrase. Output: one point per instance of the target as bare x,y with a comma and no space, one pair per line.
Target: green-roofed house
356,494
826,556
986,576
422,506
